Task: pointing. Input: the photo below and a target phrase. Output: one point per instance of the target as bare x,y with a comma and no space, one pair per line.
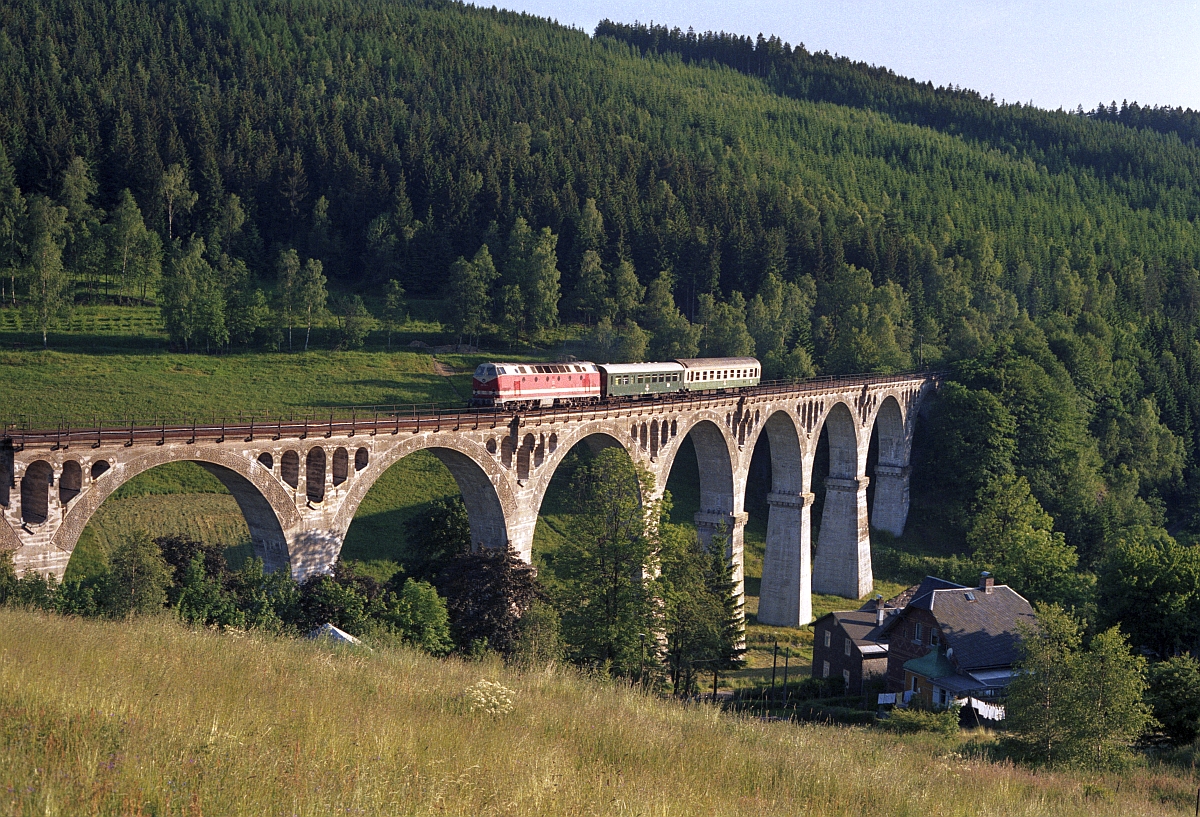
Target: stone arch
596,436
484,487
844,460
889,424
266,460
100,468
362,457
715,460
70,482
35,492
289,468
264,503
720,500
341,465
654,438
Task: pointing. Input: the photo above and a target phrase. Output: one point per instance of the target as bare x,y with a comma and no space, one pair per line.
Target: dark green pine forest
667,193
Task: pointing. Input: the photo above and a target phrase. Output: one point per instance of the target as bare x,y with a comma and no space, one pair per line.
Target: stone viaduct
299,484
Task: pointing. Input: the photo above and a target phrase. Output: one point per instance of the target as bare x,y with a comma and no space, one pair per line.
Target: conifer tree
12,219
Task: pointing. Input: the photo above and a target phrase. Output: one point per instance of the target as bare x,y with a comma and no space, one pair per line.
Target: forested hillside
672,193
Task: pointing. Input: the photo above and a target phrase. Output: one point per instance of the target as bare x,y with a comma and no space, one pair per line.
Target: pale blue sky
1053,53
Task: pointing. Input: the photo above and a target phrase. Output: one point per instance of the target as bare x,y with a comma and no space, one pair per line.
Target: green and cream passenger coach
705,373
619,380
633,380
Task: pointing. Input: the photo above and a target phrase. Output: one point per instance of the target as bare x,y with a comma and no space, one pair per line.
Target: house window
846,678
934,637
828,633
916,683
917,633
847,648
825,669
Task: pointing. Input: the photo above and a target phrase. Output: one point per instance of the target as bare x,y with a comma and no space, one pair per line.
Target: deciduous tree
47,281
610,557
138,578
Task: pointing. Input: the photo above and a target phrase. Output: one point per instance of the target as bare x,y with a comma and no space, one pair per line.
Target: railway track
350,421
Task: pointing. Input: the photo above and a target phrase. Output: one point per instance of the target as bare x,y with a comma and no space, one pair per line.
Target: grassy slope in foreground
148,717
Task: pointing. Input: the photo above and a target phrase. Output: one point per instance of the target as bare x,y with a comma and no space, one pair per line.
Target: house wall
835,654
905,645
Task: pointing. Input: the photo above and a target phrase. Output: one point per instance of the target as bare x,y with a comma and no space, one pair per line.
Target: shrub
419,615
204,601
539,643
907,721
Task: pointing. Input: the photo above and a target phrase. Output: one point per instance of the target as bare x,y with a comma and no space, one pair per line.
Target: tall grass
151,718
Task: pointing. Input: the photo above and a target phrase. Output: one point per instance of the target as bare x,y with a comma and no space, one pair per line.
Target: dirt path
447,372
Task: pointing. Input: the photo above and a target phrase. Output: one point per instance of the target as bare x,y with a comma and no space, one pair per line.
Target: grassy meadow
148,717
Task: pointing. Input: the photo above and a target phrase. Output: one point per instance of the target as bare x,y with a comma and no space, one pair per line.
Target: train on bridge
534,385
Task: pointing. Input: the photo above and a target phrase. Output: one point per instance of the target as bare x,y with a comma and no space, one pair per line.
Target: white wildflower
490,697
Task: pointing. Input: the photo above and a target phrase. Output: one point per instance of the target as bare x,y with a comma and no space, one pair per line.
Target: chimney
879,613
986,582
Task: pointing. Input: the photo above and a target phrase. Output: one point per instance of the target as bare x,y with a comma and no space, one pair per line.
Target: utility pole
642,665
786,658
774,663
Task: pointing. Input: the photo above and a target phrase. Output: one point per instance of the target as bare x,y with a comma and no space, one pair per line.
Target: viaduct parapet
299,484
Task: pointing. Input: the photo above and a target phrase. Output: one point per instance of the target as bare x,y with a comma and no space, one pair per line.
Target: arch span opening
391,528
560,503
887,465
202,501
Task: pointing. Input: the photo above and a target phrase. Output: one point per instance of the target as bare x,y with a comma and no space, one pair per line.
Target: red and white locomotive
528,385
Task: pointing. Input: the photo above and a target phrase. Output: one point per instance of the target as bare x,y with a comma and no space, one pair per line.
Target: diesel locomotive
532,385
